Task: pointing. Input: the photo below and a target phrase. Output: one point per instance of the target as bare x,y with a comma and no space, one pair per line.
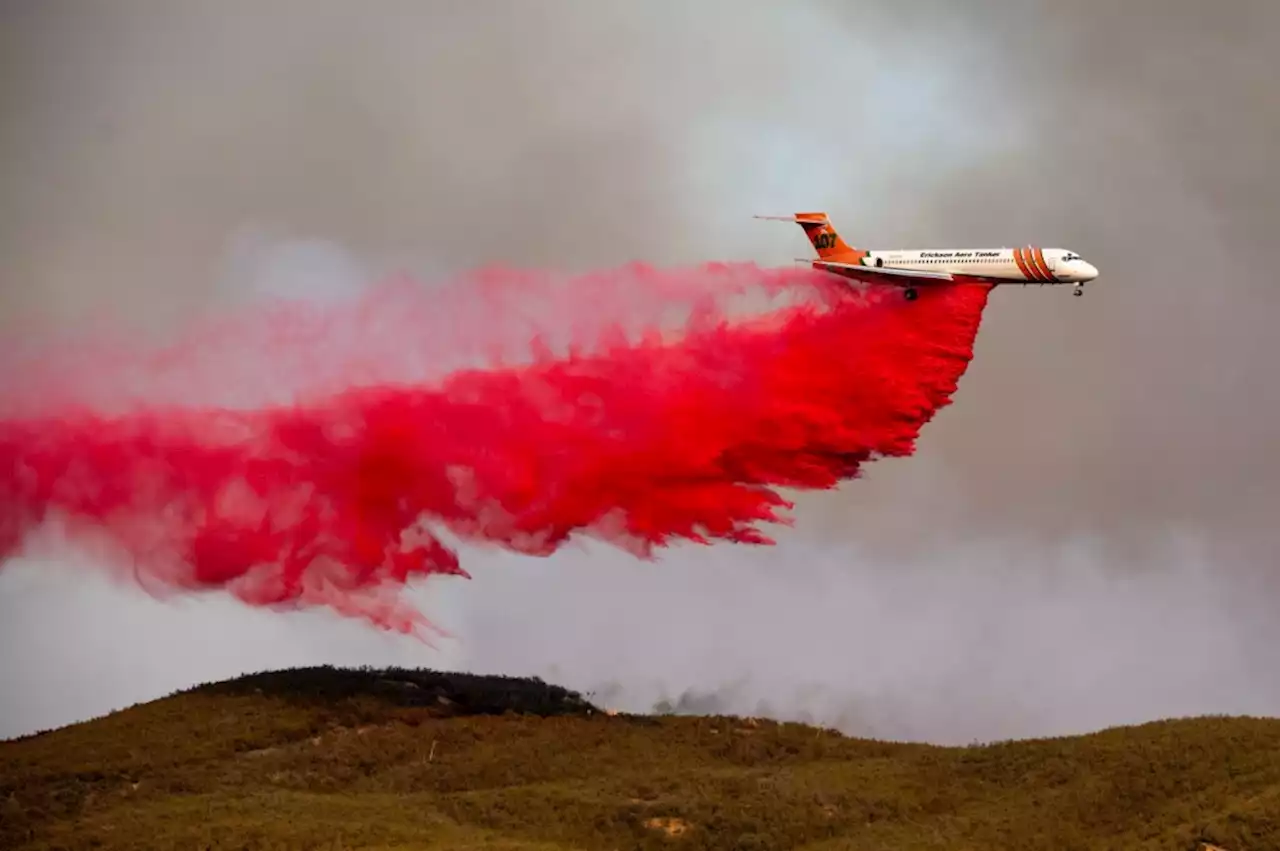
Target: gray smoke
1084,537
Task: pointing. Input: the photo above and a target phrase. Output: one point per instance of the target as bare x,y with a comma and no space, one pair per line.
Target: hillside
393,759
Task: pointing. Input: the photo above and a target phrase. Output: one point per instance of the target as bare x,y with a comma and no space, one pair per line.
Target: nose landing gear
1078,289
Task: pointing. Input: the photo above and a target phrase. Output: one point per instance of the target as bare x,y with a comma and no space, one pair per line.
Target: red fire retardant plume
334,501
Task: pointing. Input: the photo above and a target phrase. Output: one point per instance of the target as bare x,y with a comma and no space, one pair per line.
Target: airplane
911,268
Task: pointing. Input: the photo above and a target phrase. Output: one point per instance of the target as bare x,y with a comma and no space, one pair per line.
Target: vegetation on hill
396,759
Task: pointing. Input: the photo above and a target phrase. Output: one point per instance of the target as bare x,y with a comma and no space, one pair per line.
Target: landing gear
1078,290
910,294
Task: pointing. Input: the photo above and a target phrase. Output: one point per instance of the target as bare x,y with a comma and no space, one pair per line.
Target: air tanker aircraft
911,269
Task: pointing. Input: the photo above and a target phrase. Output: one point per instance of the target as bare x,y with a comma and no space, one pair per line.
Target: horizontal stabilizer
803,220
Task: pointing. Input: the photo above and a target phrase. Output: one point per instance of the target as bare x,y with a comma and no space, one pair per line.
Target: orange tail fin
823,237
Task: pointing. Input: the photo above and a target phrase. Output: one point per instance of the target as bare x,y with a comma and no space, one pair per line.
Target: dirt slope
390,759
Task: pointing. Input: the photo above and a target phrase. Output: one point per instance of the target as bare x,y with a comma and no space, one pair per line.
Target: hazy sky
1086,535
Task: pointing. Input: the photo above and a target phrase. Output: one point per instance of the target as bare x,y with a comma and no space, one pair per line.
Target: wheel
1078,291
910,294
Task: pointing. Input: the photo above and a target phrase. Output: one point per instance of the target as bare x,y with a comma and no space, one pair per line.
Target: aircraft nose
1087,270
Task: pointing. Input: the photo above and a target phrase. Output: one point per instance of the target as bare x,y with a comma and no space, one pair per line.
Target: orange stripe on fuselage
1022,264
1029,257
1044,267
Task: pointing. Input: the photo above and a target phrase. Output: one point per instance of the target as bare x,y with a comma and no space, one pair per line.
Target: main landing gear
910,294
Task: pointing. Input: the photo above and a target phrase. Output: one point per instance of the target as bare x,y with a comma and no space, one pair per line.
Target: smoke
1002,643
1099,498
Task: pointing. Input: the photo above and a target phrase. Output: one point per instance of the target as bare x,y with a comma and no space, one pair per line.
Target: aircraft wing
873,273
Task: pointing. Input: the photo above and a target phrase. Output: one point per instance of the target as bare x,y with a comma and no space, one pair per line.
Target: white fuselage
1028,265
